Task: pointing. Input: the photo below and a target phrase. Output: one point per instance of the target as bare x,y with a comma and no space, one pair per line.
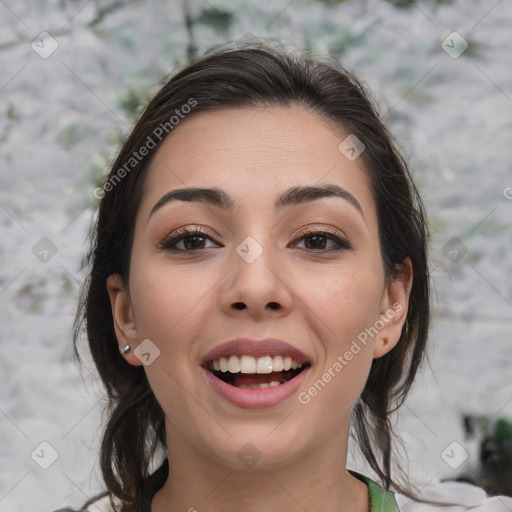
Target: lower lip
255,398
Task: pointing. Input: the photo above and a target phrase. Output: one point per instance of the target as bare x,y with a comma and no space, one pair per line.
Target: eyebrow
291,197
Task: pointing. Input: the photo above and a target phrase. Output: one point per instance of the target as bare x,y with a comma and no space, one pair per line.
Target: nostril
241,305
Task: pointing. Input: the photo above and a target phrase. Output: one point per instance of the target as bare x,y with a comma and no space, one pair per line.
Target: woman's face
270,262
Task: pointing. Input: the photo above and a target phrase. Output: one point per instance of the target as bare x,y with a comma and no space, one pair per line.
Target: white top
454,497
451,497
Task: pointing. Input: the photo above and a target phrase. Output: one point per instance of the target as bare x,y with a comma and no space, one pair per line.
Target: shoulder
453,496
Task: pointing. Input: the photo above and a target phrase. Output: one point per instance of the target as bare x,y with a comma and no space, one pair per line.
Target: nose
257,289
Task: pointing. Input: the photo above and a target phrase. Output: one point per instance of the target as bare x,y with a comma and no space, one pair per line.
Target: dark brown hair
262,74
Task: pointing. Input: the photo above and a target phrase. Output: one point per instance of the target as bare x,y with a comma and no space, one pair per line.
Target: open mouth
255,373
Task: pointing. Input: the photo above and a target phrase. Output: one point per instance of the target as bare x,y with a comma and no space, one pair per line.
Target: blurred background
73,76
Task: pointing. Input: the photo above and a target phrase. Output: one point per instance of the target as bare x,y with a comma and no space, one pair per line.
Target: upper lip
255,348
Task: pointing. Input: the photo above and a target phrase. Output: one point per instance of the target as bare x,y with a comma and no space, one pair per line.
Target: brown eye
192,240
319,241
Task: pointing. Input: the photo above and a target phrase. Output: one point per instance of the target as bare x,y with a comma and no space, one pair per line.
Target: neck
315,481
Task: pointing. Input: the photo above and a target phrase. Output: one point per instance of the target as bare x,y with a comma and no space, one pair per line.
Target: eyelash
170,242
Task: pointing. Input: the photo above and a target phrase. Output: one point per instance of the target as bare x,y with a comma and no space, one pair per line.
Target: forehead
254,154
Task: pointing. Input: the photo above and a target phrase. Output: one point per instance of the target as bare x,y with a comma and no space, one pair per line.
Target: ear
123,316
393,310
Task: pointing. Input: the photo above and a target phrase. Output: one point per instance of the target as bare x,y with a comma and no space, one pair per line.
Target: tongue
248,379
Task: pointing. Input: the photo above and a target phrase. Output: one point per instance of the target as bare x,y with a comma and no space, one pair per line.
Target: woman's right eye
191,240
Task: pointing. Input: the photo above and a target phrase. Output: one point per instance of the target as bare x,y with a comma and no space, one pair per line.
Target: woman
258,291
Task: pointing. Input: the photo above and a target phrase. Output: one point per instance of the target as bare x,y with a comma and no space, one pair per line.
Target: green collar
380,499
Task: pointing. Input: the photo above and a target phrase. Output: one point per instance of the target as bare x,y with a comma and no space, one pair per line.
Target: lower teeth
260,386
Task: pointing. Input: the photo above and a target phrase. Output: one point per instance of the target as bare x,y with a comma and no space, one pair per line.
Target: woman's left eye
318,240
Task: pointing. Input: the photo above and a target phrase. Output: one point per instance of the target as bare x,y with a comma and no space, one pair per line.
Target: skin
185,304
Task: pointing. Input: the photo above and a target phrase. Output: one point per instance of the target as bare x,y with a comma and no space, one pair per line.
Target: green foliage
217,19
410,3
401,3
503,434
99,164
331,3
494,473
124,37
133,98
344,38
72,134
496,458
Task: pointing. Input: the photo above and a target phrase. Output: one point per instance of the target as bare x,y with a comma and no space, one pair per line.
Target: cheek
347,301
345,305
168,300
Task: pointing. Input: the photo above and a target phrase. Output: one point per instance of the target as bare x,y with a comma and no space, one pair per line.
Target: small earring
125,350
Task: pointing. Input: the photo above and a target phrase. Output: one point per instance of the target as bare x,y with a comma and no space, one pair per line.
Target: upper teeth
249,364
